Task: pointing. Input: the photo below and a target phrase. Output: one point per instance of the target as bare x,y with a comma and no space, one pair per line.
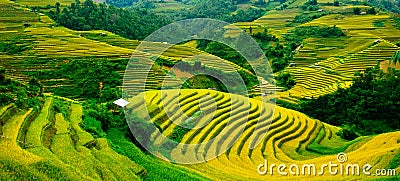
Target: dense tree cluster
397,22
389,5
90,79
230,79
221,10
357,10
280,56
121,3
241,15
307,17
285,79
316,32
133,23
277,53
22,95
94,79
370,106
225,52
15,45
310,5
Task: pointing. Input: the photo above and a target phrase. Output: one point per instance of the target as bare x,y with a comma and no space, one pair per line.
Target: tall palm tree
395,58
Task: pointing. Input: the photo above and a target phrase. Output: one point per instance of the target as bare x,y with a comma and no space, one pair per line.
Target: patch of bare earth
181,74
385,65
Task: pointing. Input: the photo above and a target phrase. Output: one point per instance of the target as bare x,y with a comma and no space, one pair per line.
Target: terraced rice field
284,136
367,58
361,34
358,25
324,64
12,17
299,3
54,46
143,76
56,42
274,20
44,3
342,9
169,7
316,50
51,45
52,138
326,76
174,53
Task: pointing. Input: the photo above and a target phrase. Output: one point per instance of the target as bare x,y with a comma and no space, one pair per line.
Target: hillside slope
50,145
284,136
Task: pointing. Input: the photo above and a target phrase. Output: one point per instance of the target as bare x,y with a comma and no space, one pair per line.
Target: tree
357,11
57,8
133,23
34,88
313,2
2,74
286,80
371,11
311,5
336,3
260,2
395,58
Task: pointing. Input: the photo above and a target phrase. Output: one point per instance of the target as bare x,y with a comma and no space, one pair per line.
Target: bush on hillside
347,134
285,79
310,5
304,18
316,32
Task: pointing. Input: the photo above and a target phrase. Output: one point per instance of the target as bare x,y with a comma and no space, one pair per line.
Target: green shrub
310,5
347,134
14,45
357,11
379,23
60,106
93,126
164,62
336,3
179,131
371,11
304,18
285,79
316,32
6,98
395,163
